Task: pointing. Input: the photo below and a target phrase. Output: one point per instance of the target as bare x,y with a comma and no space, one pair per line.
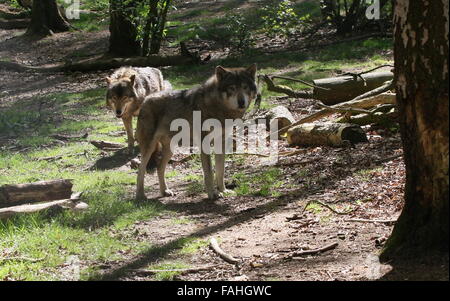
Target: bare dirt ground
263,232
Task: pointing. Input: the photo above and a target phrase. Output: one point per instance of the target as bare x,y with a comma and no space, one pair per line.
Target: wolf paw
228,192
167,192
215,195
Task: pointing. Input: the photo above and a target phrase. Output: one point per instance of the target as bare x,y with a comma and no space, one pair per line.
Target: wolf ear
252,70
132,79
221,72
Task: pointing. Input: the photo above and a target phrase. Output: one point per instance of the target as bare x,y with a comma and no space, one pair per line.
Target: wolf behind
127,88
226,95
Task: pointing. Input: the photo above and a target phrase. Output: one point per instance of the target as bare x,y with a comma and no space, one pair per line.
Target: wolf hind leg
166,155
146,153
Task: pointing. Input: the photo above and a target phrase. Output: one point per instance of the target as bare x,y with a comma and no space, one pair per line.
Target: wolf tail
155,159
167,85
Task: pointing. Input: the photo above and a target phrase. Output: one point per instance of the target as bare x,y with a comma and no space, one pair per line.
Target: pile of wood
38,196
361,99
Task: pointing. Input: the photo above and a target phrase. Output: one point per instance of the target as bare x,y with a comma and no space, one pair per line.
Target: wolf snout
241,103
119,113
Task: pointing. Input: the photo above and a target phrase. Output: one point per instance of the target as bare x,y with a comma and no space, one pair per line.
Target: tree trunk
155,26
46,19
421,67
123,40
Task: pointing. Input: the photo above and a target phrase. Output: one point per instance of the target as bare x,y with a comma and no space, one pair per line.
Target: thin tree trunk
159,33
46,19
123,34
421,67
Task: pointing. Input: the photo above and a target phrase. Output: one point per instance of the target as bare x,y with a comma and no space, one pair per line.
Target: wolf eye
232,89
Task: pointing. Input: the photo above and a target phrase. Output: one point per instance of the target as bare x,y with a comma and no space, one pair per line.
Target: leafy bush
240,37
280,19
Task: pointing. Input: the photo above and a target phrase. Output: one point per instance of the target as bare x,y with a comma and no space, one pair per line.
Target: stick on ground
329,207
316,251
181,271
215,246
381,221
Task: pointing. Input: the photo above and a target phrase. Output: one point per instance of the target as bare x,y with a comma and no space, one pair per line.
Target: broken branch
316,251
381,221
215,246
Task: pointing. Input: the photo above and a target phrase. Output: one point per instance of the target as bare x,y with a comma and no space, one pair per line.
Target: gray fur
217,98
127,88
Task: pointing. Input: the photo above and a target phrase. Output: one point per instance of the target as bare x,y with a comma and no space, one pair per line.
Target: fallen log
387,86
36,192
384,98
285,89
345,88
98,64
331,134
14,24
277,118
73,203
14,14
376,118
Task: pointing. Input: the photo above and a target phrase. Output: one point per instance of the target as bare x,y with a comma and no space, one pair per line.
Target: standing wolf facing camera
224,96
127,88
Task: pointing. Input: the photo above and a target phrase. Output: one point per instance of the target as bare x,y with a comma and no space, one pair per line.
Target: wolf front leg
128,123
220,174
208,176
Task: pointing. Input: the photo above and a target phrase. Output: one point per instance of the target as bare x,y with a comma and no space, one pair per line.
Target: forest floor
273,213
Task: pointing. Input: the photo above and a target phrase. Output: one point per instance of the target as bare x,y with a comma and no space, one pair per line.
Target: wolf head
237,86
120,94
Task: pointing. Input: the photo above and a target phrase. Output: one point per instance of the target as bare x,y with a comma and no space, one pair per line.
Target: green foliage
238,32
280,19
264,183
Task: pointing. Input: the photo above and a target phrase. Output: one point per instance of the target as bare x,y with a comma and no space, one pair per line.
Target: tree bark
36,192
320,134
421,67
123,40
345,88
46,19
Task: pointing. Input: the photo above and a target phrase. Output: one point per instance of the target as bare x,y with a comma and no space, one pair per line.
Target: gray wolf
225,95
127,88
